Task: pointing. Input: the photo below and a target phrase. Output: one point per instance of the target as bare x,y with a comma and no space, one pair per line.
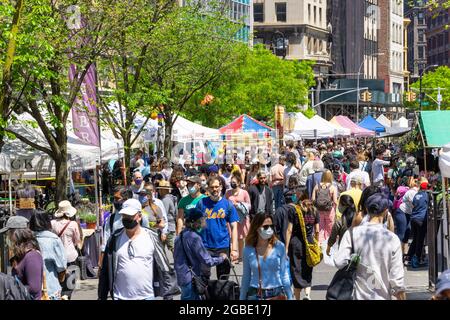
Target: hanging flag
84,112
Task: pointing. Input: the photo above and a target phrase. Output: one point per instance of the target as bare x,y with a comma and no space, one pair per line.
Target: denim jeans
268,293
401,224
187,293
278,195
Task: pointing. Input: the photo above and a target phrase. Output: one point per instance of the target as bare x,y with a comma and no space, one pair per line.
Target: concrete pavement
416,284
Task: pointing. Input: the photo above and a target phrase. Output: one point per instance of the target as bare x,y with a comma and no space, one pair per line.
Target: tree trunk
168,125
61,175
127,154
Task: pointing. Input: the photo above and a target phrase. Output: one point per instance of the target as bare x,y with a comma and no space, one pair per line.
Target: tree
439,78
257,83
195,46
123,66
52,38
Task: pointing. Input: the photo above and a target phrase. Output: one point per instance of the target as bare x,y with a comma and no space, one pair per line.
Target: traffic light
411,96
366,96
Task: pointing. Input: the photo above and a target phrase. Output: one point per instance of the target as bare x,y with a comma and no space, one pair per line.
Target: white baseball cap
131,207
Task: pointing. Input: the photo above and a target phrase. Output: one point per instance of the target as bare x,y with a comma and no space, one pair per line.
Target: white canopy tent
82,156
385,122
444,161
186,130
400,123
337,131
305,128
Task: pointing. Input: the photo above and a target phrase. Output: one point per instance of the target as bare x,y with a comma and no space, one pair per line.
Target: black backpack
12,289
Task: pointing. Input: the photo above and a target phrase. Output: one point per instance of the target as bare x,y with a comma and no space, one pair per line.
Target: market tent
435,128
337,130
5,163
400,123
444,161
82,156
370,123
355,130
245,123
305,128
385,122
183,130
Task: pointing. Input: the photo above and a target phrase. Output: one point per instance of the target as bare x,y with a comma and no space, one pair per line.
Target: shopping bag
329,259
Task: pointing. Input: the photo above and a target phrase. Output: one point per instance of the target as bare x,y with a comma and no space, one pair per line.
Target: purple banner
84,113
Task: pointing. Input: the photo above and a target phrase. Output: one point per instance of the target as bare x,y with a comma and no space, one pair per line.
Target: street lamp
275,42
357,86
421,75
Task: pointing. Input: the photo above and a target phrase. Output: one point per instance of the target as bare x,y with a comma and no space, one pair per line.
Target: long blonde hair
327,177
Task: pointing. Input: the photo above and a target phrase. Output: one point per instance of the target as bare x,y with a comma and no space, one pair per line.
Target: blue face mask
294,198
143,199
192,190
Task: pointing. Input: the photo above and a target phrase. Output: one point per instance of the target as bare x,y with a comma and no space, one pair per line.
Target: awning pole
10,194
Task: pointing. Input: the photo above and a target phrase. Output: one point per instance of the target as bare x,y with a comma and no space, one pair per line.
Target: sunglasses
266,227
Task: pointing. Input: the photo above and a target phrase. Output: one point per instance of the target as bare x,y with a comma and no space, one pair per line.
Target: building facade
294,29
391,46
239,11
438,52
417,37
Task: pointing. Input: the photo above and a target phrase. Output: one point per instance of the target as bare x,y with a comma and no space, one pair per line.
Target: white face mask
265,234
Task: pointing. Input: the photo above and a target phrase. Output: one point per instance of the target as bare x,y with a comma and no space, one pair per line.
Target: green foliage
440,77
309,113
257,82
411,142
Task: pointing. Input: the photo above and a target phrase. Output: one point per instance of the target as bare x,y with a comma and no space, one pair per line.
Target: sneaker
306,298
415,262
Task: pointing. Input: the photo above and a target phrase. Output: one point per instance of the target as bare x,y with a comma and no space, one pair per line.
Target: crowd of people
273,217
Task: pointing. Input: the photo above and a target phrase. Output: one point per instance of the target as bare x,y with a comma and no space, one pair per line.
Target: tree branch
31,143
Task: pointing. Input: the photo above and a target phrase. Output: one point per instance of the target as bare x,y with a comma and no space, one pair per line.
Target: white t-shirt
134,273
380,272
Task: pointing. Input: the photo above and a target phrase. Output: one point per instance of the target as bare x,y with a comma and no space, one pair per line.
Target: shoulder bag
279,297
343,283
314,253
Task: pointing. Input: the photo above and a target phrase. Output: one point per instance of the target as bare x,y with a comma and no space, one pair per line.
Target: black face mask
129,224
118,205
234,185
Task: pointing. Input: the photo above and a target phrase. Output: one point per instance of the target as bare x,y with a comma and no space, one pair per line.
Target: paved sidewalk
416,284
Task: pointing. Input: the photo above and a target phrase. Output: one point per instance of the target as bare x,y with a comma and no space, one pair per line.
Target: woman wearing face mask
251,175
241,200
150,210
295,242
266,267
348,209
190,254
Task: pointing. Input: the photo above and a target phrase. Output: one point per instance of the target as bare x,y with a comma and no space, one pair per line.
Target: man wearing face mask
127,271
261,196
137,184
114,221
190,201
220,213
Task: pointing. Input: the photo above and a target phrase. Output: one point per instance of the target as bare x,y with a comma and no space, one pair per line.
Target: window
315,14
258,12
421,35
421,53
280,9
309,12
320,16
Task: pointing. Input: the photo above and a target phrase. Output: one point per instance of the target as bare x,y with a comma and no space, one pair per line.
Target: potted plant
90,219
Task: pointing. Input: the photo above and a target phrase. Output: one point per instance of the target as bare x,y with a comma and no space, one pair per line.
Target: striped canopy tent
245,124
355,130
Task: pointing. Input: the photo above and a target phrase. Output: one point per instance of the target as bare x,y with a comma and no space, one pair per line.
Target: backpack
340,184
323,199
12,289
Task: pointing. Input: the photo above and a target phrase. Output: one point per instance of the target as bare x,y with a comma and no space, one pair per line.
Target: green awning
435,126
